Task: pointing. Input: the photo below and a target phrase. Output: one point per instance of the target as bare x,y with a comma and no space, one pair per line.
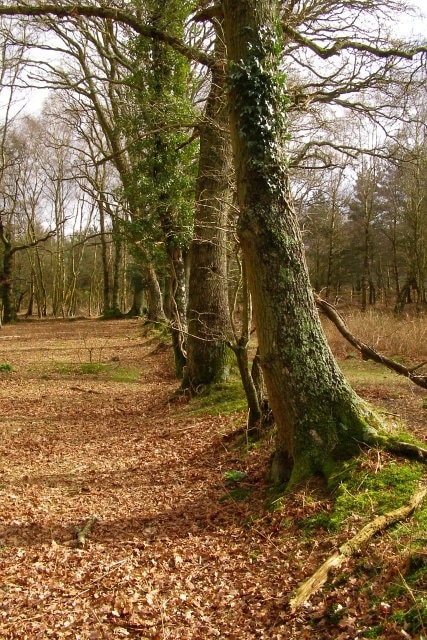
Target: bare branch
71,10
344,44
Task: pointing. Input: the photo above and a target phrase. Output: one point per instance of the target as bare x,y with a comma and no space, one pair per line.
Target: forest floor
183,547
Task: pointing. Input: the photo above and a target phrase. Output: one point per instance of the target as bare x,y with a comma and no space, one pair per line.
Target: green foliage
415,582
158,120
413,619
362,493
373,632
261,101
5,367
234,476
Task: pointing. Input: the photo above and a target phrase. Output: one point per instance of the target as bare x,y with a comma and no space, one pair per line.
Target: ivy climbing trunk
319,418
165,168
208,311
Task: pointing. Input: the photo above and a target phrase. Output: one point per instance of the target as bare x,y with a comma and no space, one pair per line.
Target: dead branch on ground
81,534
350,548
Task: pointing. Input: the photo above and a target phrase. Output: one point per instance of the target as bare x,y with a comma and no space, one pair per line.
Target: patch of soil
175,552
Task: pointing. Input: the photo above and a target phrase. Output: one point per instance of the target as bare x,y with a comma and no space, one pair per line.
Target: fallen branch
350,548
368,353
85,390
81,534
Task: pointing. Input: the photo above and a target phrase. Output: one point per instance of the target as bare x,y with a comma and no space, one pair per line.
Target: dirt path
87,429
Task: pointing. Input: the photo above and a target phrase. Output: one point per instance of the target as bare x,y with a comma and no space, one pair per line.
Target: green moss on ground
362,489
222,398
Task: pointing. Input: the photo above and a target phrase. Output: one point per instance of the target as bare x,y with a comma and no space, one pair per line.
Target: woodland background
82,175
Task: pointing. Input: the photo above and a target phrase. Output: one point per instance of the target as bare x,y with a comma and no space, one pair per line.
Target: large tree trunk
208,312
318,416
6,288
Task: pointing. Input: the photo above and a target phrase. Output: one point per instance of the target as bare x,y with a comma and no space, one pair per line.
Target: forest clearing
180,536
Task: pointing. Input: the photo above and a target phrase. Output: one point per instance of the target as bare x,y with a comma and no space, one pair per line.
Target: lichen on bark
318,416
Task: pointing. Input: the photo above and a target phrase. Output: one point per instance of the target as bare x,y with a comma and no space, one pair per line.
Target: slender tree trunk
105,260
251,379
208,312
117,263
318,416
30,306
155,312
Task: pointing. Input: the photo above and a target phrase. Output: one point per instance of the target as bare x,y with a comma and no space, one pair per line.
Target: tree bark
319,418
106,288
6,287
208,311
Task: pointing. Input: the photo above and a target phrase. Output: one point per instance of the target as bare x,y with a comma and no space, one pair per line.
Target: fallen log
353,546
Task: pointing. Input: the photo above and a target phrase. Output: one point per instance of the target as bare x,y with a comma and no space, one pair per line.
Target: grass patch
363,489
5,367
98,370
366,372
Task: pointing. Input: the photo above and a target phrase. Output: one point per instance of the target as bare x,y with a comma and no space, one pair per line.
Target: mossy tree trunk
319,418
208,310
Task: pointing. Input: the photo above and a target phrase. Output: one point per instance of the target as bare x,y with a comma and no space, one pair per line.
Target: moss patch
222,398
364,494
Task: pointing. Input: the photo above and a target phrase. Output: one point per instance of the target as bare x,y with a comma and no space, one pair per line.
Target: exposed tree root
405,449
350,548
368,353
